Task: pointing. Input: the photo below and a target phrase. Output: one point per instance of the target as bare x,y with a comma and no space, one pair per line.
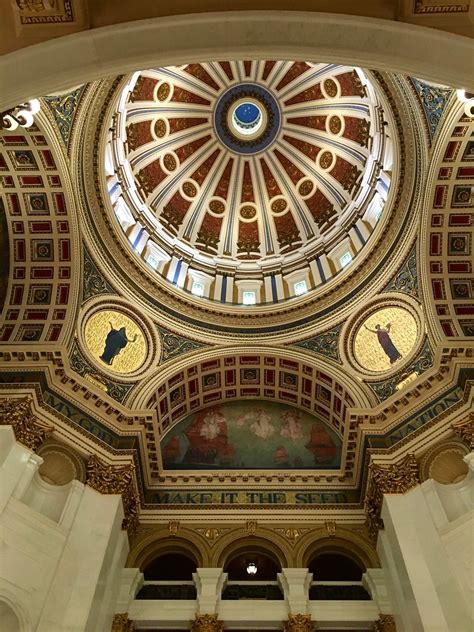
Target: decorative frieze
385,623
396,478
122,623
299,623
110,479
29,431
207,623
464,429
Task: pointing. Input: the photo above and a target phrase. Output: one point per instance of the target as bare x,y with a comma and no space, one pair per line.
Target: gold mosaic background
403,333
98,327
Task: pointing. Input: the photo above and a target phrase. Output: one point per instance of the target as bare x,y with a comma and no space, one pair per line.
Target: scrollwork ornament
29,431
299,623
385,623
110,479
396,478
122,623
207,623
464,429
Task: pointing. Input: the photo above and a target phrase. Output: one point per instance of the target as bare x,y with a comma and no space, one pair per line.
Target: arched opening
337,575
169,577
253,564
335,567
170,566
252,573
10,621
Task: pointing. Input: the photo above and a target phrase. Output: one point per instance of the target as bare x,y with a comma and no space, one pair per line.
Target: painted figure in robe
383,336
114,343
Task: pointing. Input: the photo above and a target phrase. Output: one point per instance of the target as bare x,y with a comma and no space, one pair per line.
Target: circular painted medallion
115,341
385,338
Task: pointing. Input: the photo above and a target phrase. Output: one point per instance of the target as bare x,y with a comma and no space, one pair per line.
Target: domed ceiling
250,181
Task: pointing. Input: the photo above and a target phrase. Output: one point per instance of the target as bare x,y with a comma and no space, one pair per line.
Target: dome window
345,259
300,288
197,288
249,298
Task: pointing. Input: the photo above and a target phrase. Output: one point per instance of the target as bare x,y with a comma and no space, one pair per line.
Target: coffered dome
253,181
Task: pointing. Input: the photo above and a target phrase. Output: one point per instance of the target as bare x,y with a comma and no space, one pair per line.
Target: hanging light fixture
21,115
251,568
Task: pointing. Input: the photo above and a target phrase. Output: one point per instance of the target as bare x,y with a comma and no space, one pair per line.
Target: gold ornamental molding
207,623
299,623
385,623
110,479
464,429
17,412
396,478
122,623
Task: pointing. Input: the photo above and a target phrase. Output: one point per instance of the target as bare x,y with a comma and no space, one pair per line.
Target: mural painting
251,434
385,338
115,341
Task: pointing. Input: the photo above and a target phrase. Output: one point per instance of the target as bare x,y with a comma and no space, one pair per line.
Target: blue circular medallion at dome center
235,117
247,113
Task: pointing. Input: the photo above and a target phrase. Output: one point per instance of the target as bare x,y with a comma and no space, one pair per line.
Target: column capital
28,429
396,478
464,429
112,479
207,623
298,623
385,623
122,623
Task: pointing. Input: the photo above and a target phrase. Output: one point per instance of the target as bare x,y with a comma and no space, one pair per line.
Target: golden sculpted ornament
207,623
396,478
465,430
385,623
29,431
298,623
122,623
110,479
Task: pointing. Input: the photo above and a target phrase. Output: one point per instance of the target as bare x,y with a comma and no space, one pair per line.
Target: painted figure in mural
209,440
114,343
259,423
383,336
291,428
321,444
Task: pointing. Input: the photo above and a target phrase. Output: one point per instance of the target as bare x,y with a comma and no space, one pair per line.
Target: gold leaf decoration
110,479
396,478
29,431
